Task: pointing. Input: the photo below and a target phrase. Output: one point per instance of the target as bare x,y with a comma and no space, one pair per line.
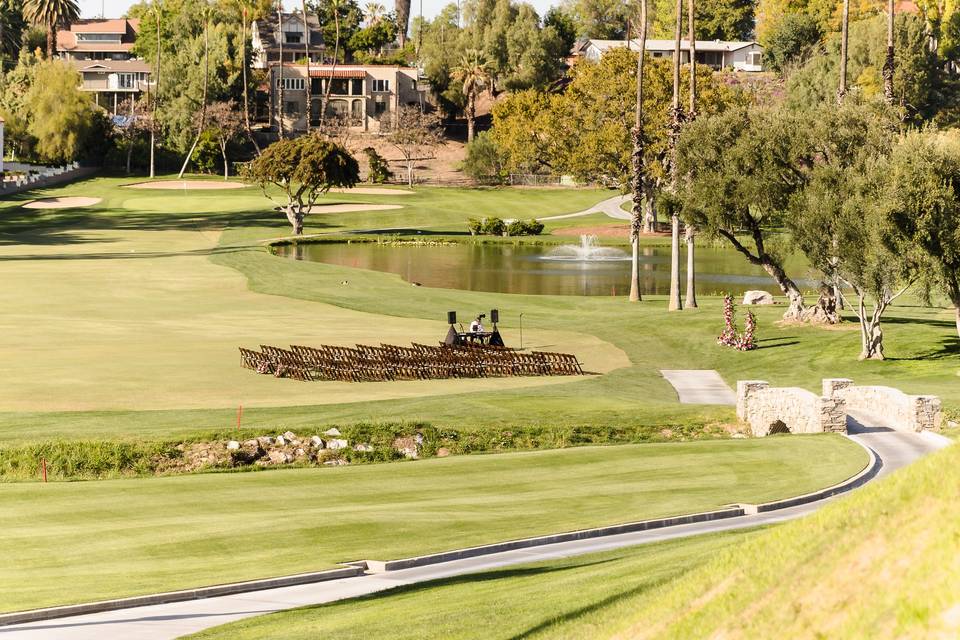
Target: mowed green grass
880,563
569,598
123,321
83,541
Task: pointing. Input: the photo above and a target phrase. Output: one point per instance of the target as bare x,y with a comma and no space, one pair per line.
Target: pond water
575,269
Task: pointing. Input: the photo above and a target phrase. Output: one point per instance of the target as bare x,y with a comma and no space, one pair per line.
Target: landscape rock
233,445
290,436
248,453
443,452
280,441
275,456
332,432
408,446
737,435
337,443
265,441
758,297
299,453
950,423
336,462
362,447
317,442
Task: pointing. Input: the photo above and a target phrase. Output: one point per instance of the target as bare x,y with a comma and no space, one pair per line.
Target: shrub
475,226
484,162
524,228
494,226
379,172
533,227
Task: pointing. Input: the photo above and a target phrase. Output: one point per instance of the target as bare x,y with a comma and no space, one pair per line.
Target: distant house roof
337,73
111,66
126,29
268,33
661,45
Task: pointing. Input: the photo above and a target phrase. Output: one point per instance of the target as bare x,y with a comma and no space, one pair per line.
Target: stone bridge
770,410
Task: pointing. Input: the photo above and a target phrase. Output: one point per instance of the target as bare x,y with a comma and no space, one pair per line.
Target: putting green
144,320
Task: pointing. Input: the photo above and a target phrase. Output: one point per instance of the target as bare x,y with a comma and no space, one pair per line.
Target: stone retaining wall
903,412
788,409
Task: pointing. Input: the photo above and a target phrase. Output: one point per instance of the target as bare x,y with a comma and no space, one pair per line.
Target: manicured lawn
558,599
879,563
84,541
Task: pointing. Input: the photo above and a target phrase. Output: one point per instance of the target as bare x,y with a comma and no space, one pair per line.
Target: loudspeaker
451,317
494,316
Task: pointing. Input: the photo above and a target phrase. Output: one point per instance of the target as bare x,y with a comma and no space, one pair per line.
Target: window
291,108
753,58
382,86
98,37
339,87
316,86
290,37
356,87
126,80
292,84
379,108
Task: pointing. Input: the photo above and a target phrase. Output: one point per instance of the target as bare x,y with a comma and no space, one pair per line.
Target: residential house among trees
101,50
360,95
266,38
739,56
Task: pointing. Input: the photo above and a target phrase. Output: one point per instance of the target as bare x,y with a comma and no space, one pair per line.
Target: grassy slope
540,600
881,563
90,540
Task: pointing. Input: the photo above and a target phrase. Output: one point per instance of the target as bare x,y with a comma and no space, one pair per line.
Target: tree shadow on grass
127,255
778,340
949,347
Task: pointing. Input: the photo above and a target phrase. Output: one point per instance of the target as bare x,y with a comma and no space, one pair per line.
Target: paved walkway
700,386
610,206
895,449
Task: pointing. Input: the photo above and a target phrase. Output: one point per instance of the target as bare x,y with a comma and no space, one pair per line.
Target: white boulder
332,432
758,297
337,443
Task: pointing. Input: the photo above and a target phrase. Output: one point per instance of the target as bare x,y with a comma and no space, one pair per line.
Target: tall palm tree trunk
336,54
844,24
691,299
280,95
638,211
888,63
471,113
676,118
306,49
246,83
156,98
51,36
203,103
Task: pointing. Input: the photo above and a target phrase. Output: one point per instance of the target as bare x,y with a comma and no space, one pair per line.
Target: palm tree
673,132
844,24
888,63
279,109
691,232
402,8
203,102
374,12
246,9
335,6
474,73
51,14
636,159
157,10
306,49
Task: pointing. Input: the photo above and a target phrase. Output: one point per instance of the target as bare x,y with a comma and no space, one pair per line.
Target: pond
575,269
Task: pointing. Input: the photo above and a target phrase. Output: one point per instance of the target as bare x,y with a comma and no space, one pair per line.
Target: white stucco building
719,54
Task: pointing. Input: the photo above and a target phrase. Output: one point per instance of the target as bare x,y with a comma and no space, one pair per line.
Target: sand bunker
344,208
62,203
188,184
374,191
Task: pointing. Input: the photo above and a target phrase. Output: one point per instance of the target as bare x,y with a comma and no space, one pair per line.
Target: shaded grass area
568,598
82,541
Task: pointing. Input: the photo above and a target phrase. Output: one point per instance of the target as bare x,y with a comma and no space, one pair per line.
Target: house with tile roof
718,54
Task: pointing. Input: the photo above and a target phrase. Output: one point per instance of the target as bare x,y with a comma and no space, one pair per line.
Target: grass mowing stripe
92,540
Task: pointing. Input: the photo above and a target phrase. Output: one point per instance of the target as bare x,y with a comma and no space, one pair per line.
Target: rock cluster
266,451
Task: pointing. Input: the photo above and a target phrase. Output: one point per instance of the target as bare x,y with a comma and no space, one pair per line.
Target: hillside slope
881,563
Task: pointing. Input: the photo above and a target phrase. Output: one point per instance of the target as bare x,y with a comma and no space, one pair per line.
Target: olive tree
303,169
921,203
737,174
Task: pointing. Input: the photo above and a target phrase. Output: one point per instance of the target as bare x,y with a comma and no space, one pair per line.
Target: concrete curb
358,568
381,566
865,475
34,615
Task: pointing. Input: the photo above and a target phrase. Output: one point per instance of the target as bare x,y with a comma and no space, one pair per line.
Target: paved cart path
700,386
894,449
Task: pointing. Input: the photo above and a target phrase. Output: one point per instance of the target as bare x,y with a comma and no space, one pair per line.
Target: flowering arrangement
731,337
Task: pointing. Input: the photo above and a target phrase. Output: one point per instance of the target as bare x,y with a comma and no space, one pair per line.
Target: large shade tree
51,14
303,169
